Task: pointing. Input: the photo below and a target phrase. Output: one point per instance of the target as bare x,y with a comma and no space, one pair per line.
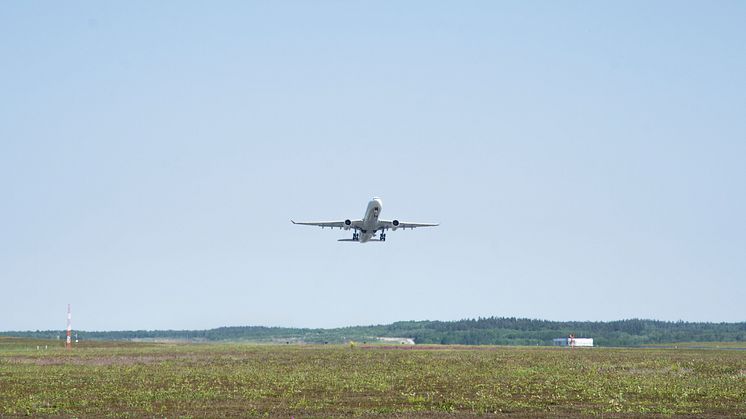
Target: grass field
135,379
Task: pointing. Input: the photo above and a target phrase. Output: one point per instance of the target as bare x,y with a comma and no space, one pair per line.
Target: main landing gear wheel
383,236
355,236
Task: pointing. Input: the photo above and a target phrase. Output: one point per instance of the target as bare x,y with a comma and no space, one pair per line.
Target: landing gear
355,236
382,236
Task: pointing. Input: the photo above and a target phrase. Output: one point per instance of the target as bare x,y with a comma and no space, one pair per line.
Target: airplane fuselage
370,225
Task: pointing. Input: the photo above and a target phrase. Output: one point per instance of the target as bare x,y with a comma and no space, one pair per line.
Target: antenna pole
69,342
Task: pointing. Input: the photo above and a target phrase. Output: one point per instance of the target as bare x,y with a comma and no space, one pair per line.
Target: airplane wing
401,224
330,224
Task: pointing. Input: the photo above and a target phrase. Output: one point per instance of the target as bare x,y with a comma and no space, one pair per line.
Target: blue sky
585,161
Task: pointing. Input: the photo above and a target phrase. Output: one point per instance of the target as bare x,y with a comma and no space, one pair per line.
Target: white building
400,341
580,342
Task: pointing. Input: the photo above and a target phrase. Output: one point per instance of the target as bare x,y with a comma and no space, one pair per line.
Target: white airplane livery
365,230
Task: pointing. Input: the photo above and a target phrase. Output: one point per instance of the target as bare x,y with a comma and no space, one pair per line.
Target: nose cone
378,201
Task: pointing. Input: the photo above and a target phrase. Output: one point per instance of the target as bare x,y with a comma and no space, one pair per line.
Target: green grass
697,345
150,379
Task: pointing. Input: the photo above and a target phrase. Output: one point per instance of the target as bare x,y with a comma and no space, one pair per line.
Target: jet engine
347,225
395,225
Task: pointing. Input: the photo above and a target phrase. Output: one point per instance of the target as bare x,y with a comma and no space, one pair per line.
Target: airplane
365,230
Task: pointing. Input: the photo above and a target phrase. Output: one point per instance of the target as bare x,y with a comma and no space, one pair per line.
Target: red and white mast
69,342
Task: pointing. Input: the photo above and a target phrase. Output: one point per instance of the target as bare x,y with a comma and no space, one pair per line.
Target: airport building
400,341
580,342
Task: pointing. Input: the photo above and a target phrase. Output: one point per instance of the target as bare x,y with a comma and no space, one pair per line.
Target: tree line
480,331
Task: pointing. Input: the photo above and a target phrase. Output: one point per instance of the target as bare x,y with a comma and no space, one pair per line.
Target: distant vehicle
366,229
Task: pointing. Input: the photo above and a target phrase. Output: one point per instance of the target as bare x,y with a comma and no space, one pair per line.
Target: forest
480,331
